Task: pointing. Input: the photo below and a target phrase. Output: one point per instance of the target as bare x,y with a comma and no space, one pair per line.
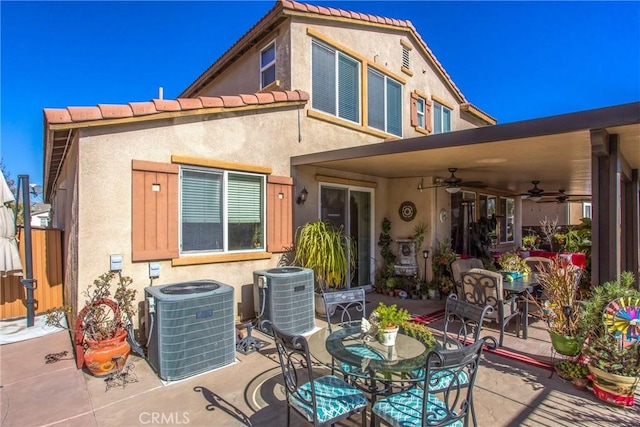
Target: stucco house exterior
208,185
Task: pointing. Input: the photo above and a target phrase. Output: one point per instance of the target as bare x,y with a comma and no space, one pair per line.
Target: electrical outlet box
116,262
154,270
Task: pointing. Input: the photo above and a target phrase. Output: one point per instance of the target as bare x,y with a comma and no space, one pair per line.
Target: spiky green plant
326,250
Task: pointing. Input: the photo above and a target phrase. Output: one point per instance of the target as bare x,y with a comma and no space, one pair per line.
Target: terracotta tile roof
276,15
156,106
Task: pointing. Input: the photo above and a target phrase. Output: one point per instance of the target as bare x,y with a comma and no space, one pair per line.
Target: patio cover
9,256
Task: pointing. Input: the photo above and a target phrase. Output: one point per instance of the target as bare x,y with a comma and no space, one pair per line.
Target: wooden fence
46,248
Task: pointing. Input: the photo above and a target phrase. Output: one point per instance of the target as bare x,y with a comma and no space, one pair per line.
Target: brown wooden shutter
428,118
279,213
414,110
154,228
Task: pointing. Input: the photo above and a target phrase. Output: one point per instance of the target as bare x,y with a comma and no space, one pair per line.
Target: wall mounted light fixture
302,197
421,185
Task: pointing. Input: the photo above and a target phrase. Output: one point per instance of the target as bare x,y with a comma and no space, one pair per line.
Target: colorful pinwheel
622,318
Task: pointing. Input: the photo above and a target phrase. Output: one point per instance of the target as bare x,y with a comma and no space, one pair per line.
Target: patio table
522,286
374,368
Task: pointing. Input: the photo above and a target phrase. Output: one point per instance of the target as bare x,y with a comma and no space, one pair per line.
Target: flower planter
565,345
611,388
388,336
106,356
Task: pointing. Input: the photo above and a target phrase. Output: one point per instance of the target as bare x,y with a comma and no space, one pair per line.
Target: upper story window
335,82
441,118
420,103
586,210
268,65
220,211
384,102
506,219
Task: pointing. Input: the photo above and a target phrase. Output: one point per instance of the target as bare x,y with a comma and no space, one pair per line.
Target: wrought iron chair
459,266
349,306
321,401
419,406
462,326
483,287
346,304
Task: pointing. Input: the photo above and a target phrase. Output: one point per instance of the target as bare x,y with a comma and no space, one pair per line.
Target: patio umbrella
9,256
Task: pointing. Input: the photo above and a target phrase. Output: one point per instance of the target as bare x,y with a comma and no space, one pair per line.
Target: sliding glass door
352,209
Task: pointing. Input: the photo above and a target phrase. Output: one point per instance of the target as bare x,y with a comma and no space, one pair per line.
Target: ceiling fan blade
476,184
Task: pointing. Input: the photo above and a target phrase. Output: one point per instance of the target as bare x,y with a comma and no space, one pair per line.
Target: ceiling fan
453,183
563,197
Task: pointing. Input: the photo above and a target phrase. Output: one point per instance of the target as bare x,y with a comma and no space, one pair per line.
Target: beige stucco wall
533,213
266,137
382,47
243,76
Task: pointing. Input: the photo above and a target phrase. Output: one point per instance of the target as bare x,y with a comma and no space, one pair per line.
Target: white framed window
506,219
441,118
335,82
420,103
268,65
586,210
220,211
384,102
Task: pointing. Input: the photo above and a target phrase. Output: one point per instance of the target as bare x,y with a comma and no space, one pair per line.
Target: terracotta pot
564,344
106,356
611,388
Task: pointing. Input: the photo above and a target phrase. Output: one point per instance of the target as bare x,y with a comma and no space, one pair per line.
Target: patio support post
605,187
631,226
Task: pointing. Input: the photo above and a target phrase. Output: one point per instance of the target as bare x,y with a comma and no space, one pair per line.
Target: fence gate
47,270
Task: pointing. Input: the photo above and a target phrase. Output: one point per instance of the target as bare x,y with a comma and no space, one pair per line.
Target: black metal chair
320,400
419,406
346,304
462,327
483,287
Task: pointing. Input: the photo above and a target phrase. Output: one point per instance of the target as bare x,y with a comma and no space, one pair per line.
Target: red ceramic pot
106,356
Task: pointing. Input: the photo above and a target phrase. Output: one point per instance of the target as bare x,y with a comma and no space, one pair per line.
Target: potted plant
513,265
386,270
386,320
530,241
432,289
612,345
102,324
329,252
562,306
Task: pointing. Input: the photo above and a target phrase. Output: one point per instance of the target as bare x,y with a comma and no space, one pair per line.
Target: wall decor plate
407,211
443,215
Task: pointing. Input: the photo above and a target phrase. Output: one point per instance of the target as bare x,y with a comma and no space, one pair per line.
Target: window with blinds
335,82
384,102
268,65
441,118
221,210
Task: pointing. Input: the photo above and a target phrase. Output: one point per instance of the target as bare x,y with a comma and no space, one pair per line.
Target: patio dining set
401,384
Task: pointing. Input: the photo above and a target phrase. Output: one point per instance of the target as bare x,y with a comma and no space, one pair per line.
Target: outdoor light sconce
302,197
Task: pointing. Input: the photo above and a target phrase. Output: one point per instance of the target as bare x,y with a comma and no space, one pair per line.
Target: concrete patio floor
249,392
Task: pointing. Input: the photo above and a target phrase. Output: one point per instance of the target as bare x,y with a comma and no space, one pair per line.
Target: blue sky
513,60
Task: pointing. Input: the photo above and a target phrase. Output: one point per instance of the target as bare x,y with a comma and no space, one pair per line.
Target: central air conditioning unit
285,296
191,328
